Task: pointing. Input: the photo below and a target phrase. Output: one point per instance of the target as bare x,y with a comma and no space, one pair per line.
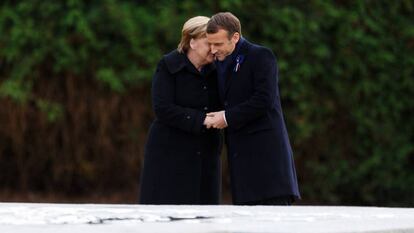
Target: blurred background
75,102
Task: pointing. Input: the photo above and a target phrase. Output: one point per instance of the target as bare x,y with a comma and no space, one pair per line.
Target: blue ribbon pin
239,61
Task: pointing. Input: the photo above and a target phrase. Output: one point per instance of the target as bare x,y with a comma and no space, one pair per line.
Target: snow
74,218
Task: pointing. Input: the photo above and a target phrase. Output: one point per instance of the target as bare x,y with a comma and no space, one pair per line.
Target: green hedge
346,80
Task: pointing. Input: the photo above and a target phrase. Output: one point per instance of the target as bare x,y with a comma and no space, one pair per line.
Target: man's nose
213,50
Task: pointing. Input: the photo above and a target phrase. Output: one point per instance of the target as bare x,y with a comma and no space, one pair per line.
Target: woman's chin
210,59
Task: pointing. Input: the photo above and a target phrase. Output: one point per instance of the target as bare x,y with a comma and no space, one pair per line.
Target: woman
181,164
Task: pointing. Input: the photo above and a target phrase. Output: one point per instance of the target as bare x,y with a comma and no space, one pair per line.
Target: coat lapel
233,74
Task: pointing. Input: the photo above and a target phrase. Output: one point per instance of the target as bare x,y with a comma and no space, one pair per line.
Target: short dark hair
226,21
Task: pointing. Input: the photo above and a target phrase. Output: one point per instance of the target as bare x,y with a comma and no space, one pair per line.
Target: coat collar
177,61
244,47
242,50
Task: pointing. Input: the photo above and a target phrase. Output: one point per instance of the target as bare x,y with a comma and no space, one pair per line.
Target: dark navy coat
181,163
259,153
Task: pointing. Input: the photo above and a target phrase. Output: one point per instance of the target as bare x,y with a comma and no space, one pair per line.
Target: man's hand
215,120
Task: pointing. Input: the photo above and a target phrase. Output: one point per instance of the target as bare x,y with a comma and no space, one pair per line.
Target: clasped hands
215,120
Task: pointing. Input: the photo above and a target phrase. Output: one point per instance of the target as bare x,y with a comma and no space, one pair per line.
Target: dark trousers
283,201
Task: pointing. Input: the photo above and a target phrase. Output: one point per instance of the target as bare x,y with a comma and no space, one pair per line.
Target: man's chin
219,58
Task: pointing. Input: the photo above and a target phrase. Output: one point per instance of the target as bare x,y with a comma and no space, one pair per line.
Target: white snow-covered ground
75,218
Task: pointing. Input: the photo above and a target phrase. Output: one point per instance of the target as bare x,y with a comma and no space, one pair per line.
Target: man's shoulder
257,50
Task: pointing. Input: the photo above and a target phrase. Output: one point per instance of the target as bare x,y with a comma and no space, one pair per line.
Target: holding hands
215,120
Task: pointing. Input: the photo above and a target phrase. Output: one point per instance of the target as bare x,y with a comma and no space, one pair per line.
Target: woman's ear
192,44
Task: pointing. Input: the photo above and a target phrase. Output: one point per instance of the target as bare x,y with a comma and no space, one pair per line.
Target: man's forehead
220,32
221,35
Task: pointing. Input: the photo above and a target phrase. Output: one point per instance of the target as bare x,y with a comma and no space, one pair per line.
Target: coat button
206,108
198,152
188,117
225,103
205,87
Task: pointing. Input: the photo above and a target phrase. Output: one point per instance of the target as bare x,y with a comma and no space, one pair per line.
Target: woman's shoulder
174,54
174,61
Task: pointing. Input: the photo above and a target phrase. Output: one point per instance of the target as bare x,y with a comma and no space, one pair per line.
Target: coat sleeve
166,111
265,79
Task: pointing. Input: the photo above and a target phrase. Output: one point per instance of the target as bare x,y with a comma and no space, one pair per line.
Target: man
259,153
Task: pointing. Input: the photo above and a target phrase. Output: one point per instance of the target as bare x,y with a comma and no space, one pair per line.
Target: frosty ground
74,218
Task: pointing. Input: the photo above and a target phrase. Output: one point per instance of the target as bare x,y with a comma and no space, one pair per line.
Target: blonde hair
194,28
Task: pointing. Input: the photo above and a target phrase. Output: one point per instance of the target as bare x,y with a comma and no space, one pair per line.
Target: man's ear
236,37
192,44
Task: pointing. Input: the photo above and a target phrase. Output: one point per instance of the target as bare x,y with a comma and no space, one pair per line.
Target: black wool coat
181,161
259,152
